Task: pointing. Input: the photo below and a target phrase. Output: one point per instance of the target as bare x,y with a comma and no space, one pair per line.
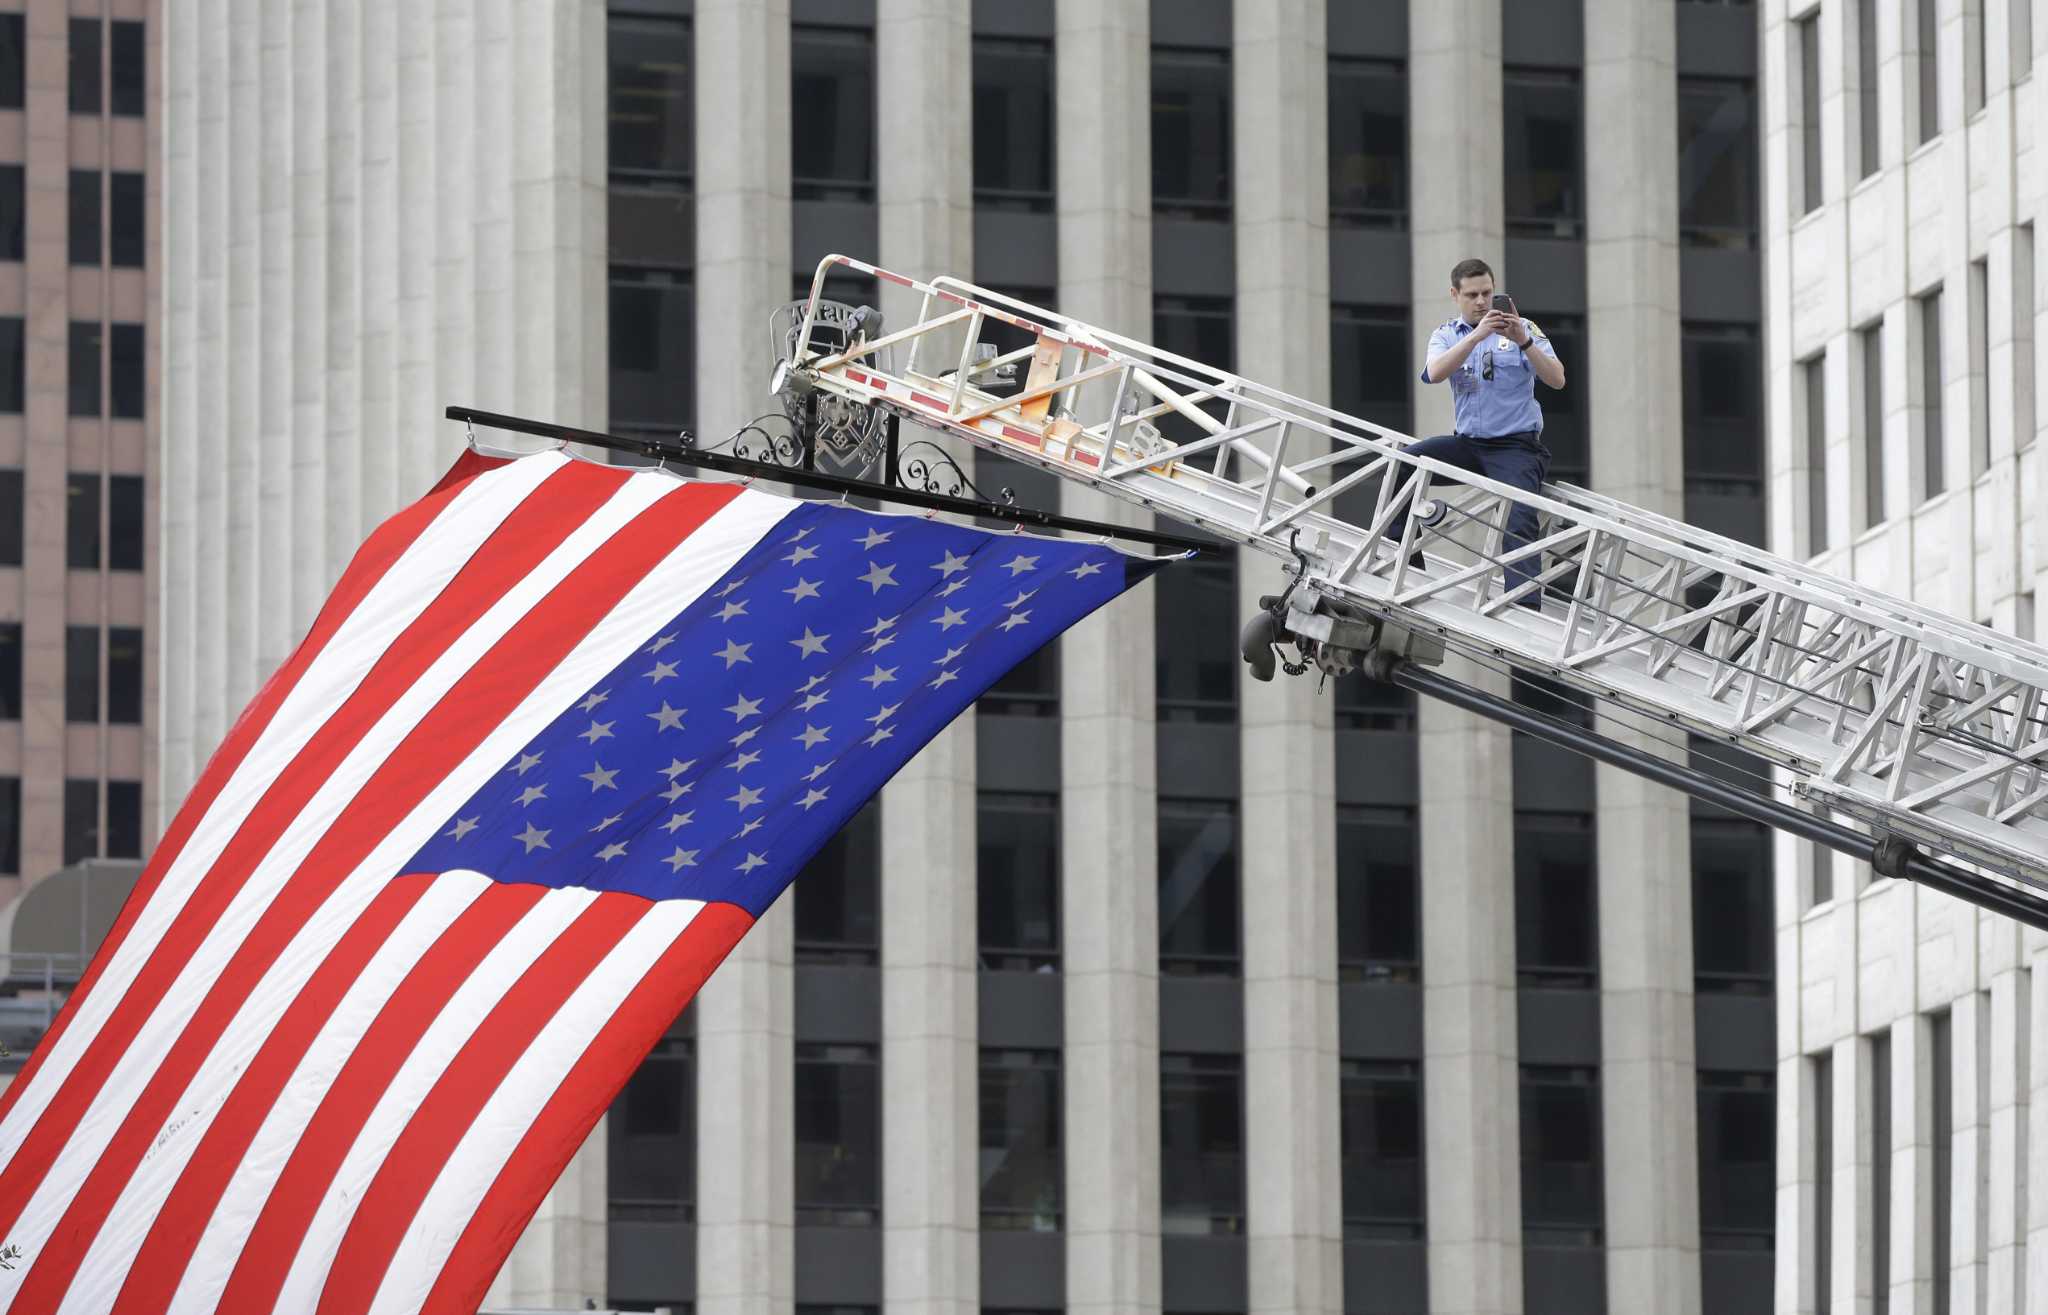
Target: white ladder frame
1894,714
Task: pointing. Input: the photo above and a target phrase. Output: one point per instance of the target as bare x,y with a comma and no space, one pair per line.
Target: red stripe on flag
474,706
534,528
468,466
348,1101
153,1278
386,544
563,1124
415,1159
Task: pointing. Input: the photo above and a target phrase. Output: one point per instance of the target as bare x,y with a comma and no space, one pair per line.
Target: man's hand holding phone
1505,320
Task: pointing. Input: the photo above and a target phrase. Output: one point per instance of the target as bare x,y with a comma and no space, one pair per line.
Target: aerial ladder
1902,736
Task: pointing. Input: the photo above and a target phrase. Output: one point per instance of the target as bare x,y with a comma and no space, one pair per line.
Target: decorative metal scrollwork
926,466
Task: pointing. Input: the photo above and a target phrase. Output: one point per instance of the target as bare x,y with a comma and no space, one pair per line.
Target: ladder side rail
1569,495
1923,763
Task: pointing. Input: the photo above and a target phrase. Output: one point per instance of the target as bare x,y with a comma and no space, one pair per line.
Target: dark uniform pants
1519,460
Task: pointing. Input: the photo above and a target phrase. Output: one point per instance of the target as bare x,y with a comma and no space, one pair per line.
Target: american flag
561,734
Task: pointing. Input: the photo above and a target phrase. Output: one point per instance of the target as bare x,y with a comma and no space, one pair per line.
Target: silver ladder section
1908,721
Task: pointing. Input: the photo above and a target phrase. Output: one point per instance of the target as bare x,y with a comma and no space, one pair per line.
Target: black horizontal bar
680,455
1964,885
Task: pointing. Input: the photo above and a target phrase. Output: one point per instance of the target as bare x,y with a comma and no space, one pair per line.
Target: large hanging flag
561,734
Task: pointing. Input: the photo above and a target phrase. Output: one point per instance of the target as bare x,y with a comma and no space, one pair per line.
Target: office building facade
78,315
1903,183
1146,988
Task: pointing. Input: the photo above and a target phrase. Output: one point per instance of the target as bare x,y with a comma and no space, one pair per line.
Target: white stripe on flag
511,1109
106,1265
697,563
406,589
439,1044
170,1015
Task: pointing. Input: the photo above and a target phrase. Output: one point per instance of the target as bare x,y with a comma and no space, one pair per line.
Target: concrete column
1472,1137
2033,1208
1108,769
2006,1232
931,1200
274,312
1969,1166
307,209
1294,1187
1912,1152
1645,861
746,1012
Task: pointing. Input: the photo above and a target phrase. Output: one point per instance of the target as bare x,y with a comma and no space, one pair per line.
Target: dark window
1940,1059
1371,377
1201,1141
1379,916
1976,346
81,819
81,674
838,894
1928,17
10,824
10,671
654,349
1191,133
2020,38
1381,1131
1021,1172
651,1137
1561,1188
1815,375
1013,123
85,66
13,203
1565,421
1724,429
1933,464
1738,1115
1823,860
2026,407
84,376
1543,150
1017,848
1824,1189
124,819
1365,704
832,84
10,517
1204,330
129,67
1871,358
1368,143
1732,938
82,520
85,216
125,371
1195,620
124,222
1717,162
1809,112
1881,1171
1198,915
653,109
1974,61
13,66
1556,905
12,384
124,675
1871,138
124,522
838,1135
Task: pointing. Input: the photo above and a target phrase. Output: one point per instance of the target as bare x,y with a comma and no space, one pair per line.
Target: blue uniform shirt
1494,391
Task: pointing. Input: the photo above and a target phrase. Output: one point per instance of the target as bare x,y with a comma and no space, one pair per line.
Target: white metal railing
1886,711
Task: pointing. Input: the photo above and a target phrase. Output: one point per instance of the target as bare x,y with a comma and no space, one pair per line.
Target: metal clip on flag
561,734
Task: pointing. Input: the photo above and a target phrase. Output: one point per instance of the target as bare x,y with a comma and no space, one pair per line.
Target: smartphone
1505,304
